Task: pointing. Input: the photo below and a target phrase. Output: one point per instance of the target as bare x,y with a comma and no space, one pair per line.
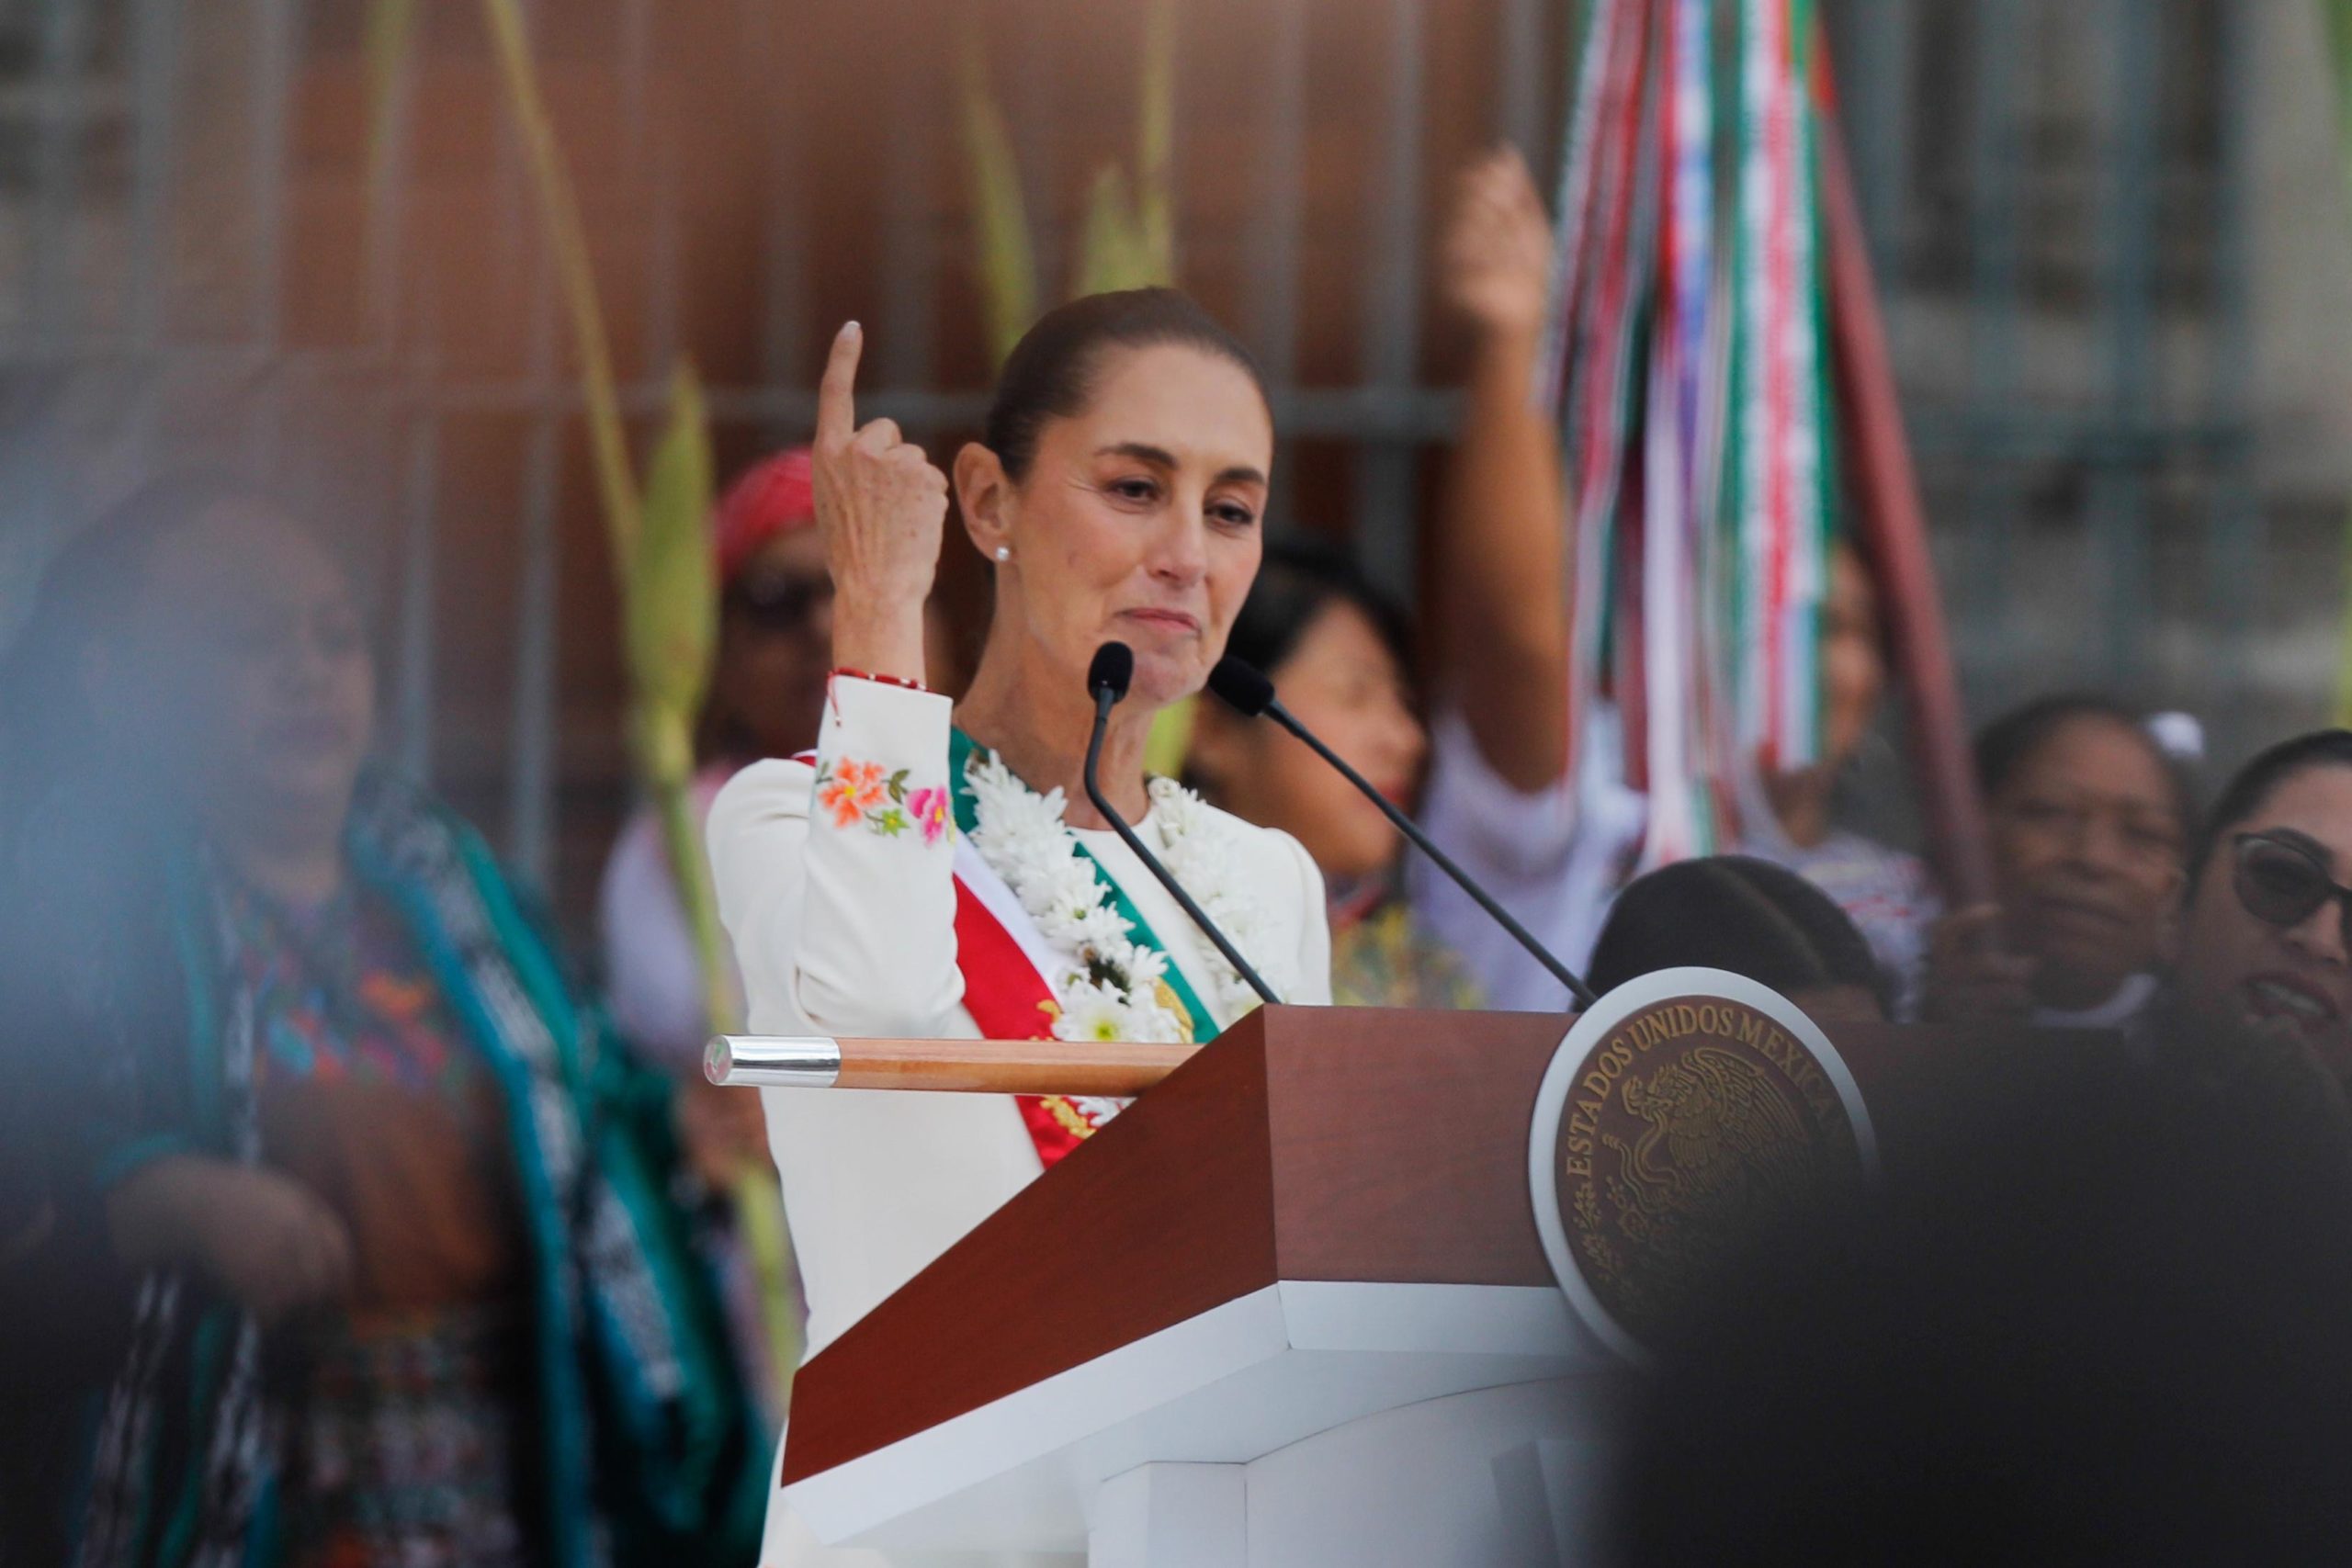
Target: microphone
1248,692
1106,680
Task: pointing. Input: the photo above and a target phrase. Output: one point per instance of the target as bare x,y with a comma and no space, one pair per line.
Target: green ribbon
961,749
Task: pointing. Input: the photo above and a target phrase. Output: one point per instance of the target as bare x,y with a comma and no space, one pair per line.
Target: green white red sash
1007,964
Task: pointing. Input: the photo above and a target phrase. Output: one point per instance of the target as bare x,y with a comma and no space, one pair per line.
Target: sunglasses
2279,882
780,603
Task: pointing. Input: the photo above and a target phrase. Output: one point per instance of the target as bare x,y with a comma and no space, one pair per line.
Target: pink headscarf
774,496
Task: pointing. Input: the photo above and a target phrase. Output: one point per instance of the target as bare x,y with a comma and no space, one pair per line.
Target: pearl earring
1004,552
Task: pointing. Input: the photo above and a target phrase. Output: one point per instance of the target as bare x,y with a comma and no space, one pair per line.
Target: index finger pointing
836,400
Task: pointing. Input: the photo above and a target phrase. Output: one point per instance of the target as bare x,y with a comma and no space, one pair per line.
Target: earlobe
983,495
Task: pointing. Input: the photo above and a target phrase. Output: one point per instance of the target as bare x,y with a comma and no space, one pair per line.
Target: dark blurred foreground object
2097,1316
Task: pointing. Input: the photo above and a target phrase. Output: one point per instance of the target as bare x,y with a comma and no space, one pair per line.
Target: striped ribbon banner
1688,369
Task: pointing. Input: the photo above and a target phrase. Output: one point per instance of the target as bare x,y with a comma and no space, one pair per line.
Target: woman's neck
1038,721
298,861
1800,803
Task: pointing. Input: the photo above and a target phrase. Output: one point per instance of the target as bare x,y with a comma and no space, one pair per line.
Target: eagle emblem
1693,1126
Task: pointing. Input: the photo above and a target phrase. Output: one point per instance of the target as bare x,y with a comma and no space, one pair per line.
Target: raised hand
1498,252
1972,978
881,506
270,1243
722,1133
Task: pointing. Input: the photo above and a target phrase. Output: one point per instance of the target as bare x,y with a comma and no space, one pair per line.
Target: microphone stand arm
1411,830
1102,701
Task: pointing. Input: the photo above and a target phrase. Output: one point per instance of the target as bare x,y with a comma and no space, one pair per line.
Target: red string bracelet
901,682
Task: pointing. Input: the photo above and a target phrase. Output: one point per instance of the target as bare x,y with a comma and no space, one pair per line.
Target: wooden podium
1290,1308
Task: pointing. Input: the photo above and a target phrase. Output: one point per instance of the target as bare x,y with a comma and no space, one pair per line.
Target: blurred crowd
346,1220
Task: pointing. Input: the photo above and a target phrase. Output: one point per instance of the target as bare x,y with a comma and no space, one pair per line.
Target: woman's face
1345,685
2087,855
2241,974
1853,668
245,643
777,644
1139,519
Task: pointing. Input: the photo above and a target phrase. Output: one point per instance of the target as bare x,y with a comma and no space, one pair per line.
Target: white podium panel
1344,1402
1496,1478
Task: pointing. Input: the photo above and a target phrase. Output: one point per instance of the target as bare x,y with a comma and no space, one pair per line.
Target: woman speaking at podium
929,873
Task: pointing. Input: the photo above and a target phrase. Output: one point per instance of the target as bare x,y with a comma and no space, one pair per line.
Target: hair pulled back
1050,373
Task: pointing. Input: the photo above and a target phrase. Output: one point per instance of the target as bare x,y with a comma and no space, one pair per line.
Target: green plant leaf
1170,737
1007,259
389,41
1155,204
1107,246
2336,15
568,238
1128,237
670,592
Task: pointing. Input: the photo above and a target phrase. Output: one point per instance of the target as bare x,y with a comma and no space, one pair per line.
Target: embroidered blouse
1383,958
372,1098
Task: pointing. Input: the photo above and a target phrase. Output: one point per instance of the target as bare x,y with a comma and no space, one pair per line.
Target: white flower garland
1198,849
1109,987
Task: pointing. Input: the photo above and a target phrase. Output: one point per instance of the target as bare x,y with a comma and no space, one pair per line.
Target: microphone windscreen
1113,667
1242,686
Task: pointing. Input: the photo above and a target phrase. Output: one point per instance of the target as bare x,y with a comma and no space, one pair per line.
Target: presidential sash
1009,969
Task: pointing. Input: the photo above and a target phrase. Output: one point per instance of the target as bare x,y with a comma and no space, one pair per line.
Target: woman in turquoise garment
391,1216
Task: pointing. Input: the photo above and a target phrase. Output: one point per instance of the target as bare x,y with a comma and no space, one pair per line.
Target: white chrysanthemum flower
1202,851
1022,837
1091,1011
1152,1023
1104,930
1074,892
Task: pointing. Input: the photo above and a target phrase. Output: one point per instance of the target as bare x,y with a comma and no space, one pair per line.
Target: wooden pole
1894,533
965,1067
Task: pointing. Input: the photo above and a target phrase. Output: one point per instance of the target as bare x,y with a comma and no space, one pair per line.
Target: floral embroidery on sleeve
851,793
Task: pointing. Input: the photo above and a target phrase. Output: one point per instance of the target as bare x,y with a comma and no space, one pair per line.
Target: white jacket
844,929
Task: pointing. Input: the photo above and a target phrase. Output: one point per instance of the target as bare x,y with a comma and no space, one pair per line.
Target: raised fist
1497,259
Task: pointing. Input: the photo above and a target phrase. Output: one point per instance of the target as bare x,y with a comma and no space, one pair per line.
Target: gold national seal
1690,1123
